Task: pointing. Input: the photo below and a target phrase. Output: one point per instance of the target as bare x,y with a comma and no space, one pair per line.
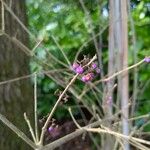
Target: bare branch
17,131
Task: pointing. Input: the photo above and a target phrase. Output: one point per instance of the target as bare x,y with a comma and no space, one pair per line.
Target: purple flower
94,65
54,131
50,129
84,79
79,70
88,77
147,59
75,66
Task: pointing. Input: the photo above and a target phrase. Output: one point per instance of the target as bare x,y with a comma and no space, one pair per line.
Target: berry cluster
87,73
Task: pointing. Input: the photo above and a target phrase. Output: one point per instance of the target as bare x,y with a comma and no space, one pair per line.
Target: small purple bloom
84,79
88,77
53,131
79,70
94,65
98,70
147,59
50,129
75,66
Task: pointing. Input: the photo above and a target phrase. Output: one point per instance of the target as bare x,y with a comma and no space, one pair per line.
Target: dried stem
54,108
17,131
99,130
75,122
111,77
3,17
35,108
59,47
30,127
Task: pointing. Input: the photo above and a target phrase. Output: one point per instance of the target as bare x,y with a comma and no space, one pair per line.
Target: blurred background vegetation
63,24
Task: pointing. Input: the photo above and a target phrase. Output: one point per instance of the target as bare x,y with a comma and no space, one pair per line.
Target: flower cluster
87,73
77,68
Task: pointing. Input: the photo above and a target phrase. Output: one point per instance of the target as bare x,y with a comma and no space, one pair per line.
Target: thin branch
59,47
35,108
75,122
58,101
15,79
17,19
99,130
78,132
35,47
135,71
3,16
30,127
54,108
87,42
17,131
111,77
69,137
93,35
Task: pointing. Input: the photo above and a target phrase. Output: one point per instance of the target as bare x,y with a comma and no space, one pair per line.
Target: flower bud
50,129
75,66
88,77
94,65
79,70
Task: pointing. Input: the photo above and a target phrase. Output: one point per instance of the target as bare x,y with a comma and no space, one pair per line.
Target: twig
58,101
78,132
89,19
34,48
17,19
135,51
30,127
35,108
17,131
54,108
134,118
59,47
69,137
122,71
3,16
75,122
87,42
114,75
99,130
15,79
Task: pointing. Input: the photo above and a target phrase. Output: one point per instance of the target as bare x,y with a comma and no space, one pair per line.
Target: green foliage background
67,22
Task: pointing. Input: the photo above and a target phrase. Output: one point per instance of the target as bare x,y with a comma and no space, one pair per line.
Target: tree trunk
15,97
118,48
124,78
108,100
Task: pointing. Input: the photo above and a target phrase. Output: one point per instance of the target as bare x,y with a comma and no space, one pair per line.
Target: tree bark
118,48
124,77
15,97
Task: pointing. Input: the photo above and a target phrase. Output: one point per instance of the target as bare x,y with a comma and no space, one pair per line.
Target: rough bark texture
15,97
